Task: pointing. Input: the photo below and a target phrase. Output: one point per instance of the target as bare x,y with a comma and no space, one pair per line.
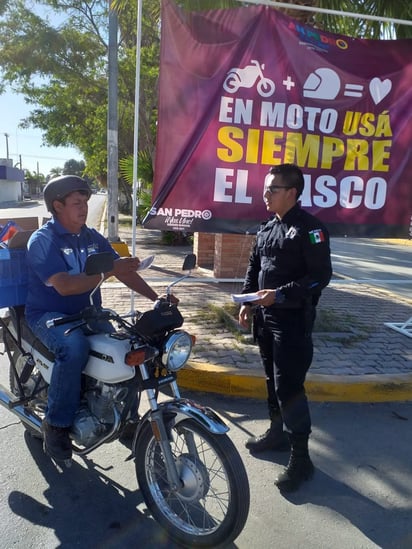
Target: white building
11,182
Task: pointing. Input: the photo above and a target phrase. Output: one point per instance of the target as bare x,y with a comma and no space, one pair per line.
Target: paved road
379,262
360,497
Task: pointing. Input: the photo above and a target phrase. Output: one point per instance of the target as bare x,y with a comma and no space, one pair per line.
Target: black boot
56,442
274,439
300,466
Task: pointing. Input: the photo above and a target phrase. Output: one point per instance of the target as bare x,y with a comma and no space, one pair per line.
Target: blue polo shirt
51,250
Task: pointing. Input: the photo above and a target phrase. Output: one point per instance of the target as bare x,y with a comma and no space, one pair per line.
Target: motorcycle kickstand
62,464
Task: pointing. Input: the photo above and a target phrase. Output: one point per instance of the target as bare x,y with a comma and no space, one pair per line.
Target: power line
42,157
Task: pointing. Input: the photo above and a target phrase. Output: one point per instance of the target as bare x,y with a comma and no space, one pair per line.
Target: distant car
26,196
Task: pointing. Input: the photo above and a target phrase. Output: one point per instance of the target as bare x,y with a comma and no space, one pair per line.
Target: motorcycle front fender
181,409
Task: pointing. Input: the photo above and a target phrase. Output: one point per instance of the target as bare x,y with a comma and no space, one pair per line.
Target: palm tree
55,172
402,9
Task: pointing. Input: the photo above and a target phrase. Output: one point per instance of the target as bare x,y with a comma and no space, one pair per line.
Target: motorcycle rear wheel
211,506
18,360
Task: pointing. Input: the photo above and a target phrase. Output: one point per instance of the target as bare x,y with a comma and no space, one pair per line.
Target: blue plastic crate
13,277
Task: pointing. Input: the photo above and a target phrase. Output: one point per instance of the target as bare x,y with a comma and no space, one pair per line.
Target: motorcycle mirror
99,263
189,262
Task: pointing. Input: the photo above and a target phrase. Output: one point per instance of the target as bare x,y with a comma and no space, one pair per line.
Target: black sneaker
56,442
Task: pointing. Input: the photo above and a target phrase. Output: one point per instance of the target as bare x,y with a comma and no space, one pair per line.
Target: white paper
146,263
243,298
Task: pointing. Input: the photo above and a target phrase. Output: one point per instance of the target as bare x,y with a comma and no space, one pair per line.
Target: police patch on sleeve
316,236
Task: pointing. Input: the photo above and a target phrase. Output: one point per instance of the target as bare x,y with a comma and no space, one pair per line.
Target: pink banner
245,89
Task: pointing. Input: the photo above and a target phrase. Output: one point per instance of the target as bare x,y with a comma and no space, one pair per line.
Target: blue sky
28,143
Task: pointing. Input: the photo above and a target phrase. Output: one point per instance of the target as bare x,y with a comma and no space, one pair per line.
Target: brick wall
226,254
232,253
204,248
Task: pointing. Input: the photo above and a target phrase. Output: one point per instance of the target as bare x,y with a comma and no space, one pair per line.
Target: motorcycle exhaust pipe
7,400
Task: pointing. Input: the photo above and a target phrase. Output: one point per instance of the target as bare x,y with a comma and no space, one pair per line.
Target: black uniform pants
284,337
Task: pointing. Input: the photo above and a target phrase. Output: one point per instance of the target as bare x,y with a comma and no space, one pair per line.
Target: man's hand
245,316
172,299
266,298
125,265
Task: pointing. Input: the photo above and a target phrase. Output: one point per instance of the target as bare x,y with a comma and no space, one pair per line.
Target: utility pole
6,135
112,131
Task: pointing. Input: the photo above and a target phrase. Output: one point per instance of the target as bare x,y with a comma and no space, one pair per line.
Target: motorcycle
247,77
189,472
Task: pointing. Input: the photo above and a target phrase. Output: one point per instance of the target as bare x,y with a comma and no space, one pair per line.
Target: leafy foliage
58,61
145,178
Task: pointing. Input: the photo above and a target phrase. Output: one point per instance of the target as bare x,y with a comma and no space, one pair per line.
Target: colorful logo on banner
263,90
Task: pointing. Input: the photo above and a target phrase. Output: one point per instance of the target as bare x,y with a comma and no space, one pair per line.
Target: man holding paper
288,268
58,286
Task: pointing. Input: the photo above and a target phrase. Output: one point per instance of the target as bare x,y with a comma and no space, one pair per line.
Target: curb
319,388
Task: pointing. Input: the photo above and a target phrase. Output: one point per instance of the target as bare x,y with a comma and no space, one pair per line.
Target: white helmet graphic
322,83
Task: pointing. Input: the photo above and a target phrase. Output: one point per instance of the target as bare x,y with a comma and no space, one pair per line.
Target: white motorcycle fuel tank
106,360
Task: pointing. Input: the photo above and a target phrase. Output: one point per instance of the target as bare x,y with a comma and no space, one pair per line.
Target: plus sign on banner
245,89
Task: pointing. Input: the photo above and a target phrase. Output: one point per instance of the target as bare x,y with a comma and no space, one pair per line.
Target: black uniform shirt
291,255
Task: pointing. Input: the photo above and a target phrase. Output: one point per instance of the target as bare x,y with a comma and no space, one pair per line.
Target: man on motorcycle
58,286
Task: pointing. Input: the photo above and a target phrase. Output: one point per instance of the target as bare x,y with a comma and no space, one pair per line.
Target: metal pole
136,121
112,131
136,133
6,135
332,12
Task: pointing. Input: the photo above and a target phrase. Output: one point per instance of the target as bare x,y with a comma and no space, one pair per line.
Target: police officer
289,266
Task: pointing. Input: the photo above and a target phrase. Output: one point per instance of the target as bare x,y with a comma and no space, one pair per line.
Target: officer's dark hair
292,176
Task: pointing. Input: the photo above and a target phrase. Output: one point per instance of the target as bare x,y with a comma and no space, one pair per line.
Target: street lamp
6,135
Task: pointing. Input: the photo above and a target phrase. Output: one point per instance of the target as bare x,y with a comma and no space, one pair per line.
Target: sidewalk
366,362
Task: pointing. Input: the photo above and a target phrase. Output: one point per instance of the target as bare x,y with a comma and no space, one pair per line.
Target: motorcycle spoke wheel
210,507
18,360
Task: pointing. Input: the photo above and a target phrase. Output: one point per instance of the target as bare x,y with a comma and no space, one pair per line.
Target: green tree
401,9
74,167
55,172
145,179
364,28
34,182
54,52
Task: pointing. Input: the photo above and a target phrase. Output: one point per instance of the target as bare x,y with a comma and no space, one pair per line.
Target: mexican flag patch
316,236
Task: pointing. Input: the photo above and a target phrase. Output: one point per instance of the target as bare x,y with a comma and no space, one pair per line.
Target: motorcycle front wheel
211,506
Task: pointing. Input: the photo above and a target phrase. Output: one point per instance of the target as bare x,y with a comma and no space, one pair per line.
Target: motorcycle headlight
176,350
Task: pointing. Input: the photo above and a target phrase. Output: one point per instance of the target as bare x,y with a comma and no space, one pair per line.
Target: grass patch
330,323
335,325
329,320
222,318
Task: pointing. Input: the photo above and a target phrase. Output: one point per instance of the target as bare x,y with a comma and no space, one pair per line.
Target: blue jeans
71,356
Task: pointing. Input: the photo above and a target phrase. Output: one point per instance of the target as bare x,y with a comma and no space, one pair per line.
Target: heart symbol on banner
379,89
